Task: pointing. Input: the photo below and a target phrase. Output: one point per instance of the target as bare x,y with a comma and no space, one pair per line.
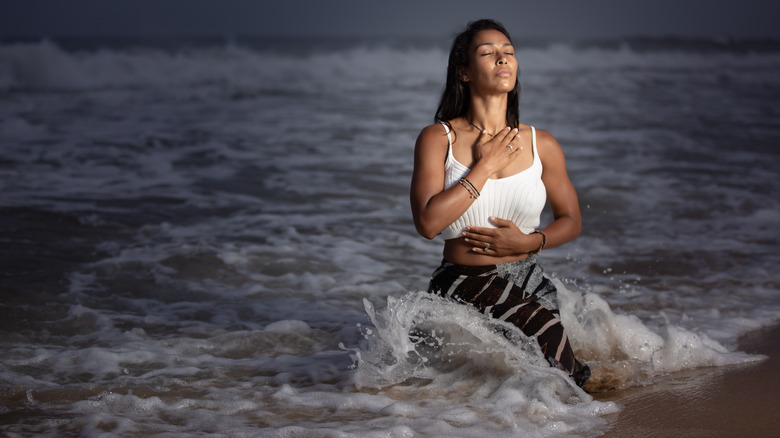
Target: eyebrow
492,44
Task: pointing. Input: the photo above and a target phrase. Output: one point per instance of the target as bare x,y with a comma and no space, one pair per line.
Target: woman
481,179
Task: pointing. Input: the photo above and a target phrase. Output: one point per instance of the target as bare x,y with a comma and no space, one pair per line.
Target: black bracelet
544,241
471,185
473,192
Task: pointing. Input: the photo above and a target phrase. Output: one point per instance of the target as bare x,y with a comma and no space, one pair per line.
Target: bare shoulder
547,145
432,138
545,139
434,133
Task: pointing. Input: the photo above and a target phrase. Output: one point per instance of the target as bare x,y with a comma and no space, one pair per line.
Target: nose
502,60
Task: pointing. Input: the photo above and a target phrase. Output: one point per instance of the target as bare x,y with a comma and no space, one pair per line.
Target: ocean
213,237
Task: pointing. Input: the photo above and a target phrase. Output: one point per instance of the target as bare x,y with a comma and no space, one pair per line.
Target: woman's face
492,64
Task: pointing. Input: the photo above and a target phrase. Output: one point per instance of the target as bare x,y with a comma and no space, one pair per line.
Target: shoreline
728,401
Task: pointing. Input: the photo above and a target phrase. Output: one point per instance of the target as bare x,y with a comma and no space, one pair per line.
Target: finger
485,137
474,242
510,141
507,135
497,138
483,247
478,233
479,240
477,245
499,221
516,144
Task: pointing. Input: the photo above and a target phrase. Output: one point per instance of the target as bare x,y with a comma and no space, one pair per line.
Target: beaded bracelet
470,187
544,241
473,192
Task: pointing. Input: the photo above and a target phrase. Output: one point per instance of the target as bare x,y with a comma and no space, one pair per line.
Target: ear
463,75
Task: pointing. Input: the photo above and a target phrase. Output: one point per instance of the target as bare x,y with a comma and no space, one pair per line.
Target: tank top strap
449,136
534,149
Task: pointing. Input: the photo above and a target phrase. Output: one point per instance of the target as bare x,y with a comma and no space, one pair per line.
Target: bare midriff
460,252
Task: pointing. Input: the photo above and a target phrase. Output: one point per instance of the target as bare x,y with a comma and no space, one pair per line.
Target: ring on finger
487,246
511,149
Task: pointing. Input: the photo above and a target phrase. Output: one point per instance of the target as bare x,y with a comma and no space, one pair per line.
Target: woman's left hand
506,240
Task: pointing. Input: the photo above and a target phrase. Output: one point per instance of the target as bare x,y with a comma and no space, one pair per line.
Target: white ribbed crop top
519,198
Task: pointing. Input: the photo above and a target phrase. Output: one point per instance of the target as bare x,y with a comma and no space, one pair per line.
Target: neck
488,113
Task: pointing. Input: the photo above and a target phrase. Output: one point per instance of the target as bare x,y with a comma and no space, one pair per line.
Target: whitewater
215,239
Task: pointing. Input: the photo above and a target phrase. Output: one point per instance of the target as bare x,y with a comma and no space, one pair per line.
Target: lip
504,73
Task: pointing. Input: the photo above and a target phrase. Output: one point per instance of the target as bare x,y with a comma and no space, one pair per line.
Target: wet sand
734,401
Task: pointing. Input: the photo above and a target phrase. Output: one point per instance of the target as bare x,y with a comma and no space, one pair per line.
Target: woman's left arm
567,223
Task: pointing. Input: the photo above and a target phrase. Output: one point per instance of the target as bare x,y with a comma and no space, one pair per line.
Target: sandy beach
735,401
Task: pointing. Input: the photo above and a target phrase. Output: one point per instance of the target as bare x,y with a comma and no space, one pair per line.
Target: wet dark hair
456,95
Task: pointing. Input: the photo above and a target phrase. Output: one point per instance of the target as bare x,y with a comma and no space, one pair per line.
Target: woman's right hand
497,152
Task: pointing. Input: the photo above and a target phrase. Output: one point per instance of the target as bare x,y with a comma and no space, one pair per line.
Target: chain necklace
491,135
481,129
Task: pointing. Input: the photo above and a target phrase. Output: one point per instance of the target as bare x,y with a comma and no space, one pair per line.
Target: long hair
456,95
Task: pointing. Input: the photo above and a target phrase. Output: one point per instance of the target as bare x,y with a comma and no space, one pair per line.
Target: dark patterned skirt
517,293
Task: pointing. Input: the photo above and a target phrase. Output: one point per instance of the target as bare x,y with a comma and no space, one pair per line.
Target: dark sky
539,18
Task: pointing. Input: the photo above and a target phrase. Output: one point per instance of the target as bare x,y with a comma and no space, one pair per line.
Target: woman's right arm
434,208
